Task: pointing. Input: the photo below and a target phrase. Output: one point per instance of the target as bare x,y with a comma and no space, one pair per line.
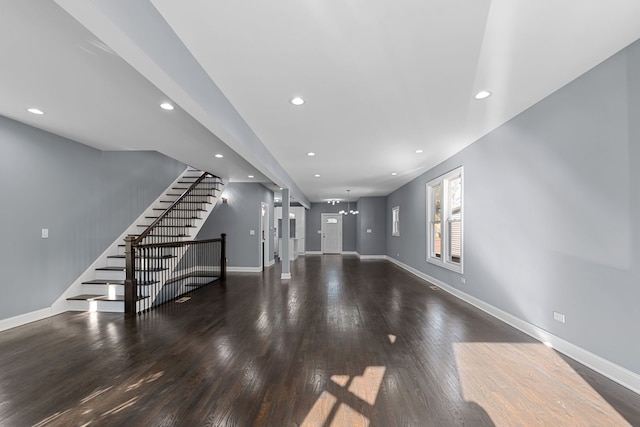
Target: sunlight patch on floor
531,380
365,387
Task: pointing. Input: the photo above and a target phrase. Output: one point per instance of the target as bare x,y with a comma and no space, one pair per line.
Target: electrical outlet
45,233
252,232
558,316
463,280
369,231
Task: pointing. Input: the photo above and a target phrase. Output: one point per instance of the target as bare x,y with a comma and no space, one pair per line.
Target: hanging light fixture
348,211
333,202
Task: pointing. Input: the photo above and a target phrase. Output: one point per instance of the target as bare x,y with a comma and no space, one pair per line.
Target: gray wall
236,218
313,240
552,213
85,197
372,216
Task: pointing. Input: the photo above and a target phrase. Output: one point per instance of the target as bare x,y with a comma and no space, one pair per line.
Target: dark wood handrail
177,243
150,228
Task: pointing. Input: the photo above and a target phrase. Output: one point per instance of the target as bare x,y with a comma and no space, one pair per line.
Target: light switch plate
368,231
252,232
45,233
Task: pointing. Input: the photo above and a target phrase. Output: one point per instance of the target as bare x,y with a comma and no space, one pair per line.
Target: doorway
264,235
331,233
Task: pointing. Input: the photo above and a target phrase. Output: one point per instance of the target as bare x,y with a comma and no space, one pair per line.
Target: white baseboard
244,269
23,319
378,257
285,276
270,263
617,373
350,253
313,253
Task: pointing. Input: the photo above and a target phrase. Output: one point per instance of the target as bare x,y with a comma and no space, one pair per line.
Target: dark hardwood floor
344,342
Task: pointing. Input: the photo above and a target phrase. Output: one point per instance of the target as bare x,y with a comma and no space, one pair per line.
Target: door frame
322,229
264,240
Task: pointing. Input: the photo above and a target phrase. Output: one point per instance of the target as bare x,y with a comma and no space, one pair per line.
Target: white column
284,250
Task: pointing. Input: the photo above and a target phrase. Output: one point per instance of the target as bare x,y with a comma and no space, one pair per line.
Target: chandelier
348,211
333,202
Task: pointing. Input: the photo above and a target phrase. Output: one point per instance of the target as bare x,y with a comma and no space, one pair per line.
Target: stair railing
159,255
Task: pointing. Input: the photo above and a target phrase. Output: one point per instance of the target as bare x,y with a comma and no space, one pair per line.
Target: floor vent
183,299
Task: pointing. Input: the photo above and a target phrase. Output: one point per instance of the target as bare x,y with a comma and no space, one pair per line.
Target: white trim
285,276
349,253
395,230
617,373
244,269
313,253
443,181
23,319
368,257
270,263
265,233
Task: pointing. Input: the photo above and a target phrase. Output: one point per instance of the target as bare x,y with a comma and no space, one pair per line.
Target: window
332,220
444,220
395,221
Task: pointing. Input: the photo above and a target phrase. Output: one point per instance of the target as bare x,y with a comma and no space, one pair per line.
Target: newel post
223,256
130,294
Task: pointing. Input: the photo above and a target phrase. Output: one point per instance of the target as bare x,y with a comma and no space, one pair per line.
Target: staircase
175,217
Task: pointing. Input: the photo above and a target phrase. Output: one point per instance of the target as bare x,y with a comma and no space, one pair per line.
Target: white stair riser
103,289
90,306
110,275
115,262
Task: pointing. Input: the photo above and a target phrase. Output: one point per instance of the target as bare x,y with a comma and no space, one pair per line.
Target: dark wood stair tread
147,257
169,226
91,297
173,217
156,269
186,201
117,282
193,274
180,209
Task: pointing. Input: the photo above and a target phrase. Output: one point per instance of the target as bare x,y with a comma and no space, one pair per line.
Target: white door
331,233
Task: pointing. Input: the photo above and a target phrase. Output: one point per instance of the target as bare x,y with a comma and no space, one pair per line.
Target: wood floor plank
344,342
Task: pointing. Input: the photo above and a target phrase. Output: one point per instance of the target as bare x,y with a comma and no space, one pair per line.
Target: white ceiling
380,79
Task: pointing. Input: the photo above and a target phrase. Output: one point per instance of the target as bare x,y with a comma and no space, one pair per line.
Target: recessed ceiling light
281,188
394,173
219,156
418,151
483,94
317,175
35,111
311,154
250,176
297,101
166,106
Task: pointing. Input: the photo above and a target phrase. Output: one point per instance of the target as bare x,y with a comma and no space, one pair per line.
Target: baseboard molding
244,269
313,253
285,276
615,372
270,263
350,253
378,257
23,319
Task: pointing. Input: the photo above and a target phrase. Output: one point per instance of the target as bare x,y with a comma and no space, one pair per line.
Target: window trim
395,225
443,181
